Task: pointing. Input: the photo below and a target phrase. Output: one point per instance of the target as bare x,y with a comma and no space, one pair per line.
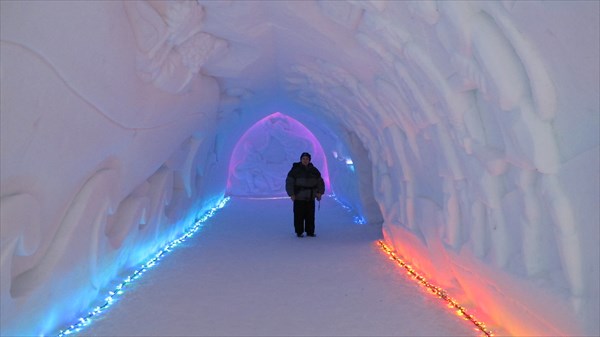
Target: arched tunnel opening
468,131
262,156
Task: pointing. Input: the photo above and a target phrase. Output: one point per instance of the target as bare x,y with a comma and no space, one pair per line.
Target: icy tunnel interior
261,157
467,130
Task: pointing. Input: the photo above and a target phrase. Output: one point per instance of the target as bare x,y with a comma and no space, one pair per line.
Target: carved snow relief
171,45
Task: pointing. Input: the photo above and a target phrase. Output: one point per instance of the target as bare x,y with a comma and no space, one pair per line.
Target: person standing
303,185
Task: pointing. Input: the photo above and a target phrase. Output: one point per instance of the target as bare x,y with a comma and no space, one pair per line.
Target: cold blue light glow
263,155
112,295
358,218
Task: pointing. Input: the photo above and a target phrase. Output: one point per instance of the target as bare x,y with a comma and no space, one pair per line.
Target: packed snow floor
245,273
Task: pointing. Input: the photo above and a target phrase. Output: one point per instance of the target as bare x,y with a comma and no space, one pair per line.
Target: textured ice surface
245,274
470,129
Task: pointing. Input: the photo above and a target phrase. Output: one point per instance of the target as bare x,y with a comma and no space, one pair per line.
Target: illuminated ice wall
470,129
263,155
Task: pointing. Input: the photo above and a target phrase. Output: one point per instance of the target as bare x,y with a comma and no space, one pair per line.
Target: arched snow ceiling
473,126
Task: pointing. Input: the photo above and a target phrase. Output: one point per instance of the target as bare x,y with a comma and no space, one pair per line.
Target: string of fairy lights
357,218
118,291
436,291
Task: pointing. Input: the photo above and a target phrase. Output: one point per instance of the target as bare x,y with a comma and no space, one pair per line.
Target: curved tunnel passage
472,126
263,155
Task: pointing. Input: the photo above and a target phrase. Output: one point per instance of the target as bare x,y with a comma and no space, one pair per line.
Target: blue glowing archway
264,154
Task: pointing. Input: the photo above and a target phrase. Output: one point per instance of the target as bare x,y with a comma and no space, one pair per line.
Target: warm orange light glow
439,292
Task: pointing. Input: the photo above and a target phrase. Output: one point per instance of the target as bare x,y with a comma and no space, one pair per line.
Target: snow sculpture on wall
171,45
487,110
263,156
478,121
96,172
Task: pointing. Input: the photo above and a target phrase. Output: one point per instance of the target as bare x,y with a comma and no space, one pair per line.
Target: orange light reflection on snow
437,291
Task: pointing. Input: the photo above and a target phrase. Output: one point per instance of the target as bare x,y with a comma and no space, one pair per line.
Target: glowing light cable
358,219
437,291
112,295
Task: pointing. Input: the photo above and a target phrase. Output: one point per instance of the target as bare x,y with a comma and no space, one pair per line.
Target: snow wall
473,129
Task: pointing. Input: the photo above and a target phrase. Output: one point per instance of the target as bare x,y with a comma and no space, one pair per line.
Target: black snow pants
304,216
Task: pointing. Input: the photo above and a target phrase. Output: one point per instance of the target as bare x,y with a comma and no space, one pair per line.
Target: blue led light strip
118,291
358,219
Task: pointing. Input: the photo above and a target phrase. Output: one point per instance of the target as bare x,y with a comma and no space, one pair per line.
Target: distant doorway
264,154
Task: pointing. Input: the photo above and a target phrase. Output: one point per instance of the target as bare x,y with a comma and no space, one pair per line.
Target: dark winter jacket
304,182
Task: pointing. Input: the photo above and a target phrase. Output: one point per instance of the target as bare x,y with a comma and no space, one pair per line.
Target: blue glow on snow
118,291
254,137
358,218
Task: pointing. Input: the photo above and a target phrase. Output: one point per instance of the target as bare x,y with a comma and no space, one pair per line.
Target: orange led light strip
437,291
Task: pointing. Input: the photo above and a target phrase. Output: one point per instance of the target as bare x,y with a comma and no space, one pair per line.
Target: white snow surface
247,274
469,131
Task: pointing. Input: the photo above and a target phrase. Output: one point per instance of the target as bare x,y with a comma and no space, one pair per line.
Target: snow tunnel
469,131
261,157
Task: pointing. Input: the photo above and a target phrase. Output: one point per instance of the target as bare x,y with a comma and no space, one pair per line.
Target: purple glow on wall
264,154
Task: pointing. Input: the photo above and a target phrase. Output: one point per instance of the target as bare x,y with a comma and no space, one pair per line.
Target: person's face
305,160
